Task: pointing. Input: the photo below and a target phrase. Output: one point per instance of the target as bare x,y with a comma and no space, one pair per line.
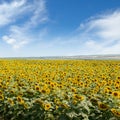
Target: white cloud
106,26
102,34
8,40
10,11
20,35
99,35
17,37
39,14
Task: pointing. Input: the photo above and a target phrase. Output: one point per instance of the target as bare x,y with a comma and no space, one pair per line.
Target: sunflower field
59,89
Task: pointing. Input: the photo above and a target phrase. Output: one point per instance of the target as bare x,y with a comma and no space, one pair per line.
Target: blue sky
59,27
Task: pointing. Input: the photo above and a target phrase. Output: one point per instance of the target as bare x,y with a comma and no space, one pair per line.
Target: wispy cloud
40,13
16,38
9,12
12,12
105,26
99,35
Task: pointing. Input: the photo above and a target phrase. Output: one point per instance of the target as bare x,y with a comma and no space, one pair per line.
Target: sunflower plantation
59,89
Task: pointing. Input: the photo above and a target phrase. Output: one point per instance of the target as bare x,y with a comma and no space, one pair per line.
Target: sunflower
81,98
12,91
43,91
57,101
47,106
78,97
1,92
66,97
39,101
47,90
94,101
1,97
37,88
115,112
64,106
102,106
116,94
20,100
1,86
118,77
26,106
10,101
74,102
73,90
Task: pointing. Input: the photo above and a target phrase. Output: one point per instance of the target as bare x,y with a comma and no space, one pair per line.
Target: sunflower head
73,90
115,112
37,88
1,97
115,94
1,92
47,106
39,101
20,100
94,101
102,106
10,101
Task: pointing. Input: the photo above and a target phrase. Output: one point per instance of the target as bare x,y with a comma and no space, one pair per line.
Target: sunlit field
59,89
